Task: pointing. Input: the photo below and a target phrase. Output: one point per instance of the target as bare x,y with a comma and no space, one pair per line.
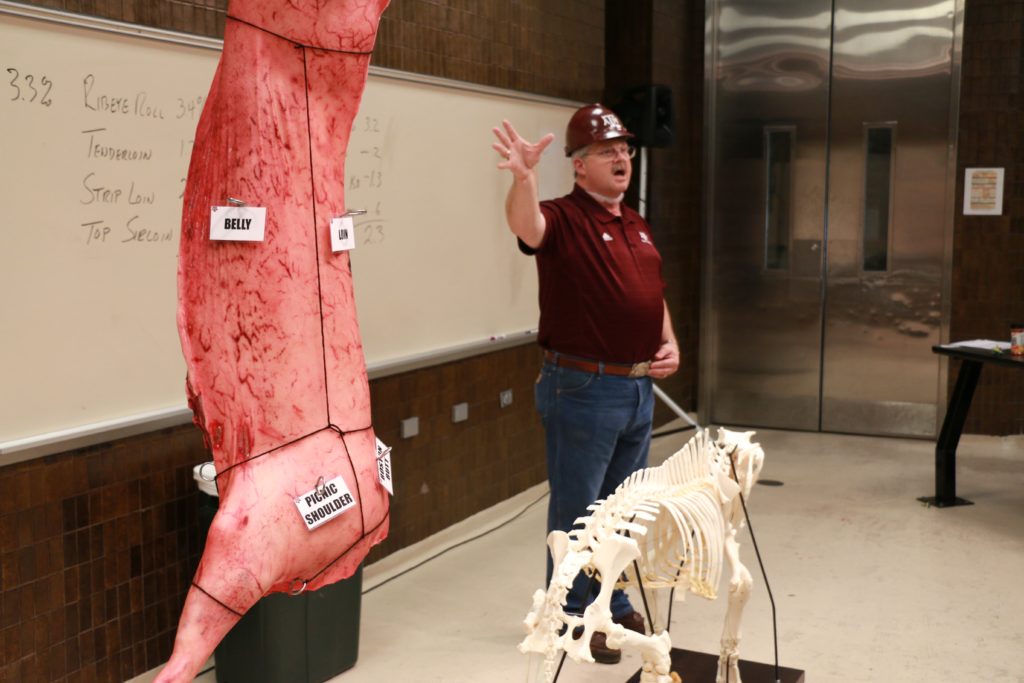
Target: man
604,325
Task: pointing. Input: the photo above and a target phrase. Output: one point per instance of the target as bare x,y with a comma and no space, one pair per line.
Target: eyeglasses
612,153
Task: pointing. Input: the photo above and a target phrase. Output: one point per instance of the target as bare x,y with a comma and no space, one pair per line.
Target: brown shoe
601,652
633,621
599,647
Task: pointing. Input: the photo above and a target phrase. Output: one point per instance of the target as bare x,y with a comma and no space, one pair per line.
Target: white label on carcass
321,505
343,234
238,223
384,466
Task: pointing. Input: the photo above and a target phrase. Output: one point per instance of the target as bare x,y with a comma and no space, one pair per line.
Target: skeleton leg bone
655,650
610,559
739,593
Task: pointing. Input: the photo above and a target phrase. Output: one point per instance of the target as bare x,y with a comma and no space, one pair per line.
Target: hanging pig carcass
276,376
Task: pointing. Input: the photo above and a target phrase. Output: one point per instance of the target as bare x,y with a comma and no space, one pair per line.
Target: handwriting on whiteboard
129,187
366,174
29,88
126,185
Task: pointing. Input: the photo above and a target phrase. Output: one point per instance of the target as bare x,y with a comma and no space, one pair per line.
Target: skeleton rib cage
677,521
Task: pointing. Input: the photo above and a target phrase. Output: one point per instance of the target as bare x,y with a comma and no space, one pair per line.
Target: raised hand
520,155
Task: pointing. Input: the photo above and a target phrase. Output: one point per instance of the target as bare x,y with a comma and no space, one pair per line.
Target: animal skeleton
674,523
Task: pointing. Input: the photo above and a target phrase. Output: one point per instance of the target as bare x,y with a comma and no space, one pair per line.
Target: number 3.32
25,90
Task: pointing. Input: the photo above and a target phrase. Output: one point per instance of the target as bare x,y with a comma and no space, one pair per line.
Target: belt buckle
640,369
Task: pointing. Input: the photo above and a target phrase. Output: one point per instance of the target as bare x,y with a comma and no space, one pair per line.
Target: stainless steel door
829,133
769,60
890,132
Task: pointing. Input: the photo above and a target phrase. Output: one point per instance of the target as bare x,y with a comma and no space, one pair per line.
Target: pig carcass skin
276,375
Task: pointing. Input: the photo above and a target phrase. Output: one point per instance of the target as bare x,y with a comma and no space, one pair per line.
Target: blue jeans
597,431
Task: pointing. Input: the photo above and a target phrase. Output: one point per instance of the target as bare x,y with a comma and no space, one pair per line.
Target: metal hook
353,212
236,202
292,590
320,488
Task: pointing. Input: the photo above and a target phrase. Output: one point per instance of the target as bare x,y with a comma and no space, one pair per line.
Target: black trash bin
307,638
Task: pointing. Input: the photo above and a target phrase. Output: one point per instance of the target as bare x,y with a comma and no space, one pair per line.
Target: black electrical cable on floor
458,545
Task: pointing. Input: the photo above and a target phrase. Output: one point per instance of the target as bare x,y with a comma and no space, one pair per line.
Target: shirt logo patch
643,237
606,237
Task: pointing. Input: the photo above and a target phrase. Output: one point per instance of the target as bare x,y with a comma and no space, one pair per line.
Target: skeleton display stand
671,526
700,667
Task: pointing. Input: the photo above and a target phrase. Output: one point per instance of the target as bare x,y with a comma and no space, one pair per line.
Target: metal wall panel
891,70
762,322
830,147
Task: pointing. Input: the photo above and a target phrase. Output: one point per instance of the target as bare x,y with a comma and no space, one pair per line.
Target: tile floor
869,584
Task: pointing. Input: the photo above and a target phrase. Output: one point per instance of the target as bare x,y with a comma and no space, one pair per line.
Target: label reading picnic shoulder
322,504
238,223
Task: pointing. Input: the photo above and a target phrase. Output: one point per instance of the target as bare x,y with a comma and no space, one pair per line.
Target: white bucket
204,474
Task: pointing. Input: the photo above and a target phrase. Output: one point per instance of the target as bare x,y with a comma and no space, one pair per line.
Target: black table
956,414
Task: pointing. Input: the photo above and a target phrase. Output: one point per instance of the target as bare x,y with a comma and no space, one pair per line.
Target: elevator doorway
830,160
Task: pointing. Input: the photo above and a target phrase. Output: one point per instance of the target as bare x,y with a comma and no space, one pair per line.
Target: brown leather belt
596,367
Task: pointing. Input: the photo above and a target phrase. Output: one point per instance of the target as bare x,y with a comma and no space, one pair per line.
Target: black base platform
698,667
936,502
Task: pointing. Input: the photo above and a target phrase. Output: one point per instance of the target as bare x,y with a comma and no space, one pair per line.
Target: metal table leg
949,437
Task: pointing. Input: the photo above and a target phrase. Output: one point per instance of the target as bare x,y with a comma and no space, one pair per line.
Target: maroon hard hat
590,124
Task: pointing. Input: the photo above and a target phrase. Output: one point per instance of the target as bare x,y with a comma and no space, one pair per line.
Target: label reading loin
238,223
343,234
321,505
384,466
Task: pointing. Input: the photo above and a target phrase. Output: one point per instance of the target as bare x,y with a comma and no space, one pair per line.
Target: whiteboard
96,140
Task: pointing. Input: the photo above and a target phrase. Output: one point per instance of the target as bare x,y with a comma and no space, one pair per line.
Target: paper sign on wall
983,192
384,466
238,223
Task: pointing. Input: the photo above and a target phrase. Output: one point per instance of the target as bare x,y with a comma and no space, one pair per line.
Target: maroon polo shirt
601,291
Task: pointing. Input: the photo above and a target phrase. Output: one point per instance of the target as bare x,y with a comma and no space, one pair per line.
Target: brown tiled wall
538,46
453,470
201,17
662,42
677,180
98,545
988,251
96,549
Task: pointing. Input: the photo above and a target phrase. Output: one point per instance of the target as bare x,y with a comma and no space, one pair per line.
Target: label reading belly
238,223
324,503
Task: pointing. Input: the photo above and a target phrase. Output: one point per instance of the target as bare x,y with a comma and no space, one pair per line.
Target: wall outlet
460,412
505,398
410,427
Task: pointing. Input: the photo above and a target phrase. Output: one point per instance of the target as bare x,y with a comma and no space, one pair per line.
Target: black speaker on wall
647,112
